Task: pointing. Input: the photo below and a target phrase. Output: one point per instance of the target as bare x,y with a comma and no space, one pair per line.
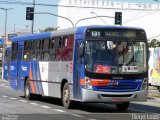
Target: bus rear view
115,66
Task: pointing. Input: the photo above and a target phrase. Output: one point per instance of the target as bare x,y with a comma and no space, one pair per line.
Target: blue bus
103,64
6,63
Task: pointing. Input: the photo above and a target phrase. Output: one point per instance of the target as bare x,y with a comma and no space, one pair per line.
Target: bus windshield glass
115,56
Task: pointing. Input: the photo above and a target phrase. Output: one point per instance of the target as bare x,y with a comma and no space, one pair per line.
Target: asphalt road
14,107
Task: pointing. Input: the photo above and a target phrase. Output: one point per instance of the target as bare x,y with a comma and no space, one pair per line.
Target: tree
49,29
154,43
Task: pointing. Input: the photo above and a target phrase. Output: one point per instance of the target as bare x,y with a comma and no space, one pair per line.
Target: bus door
77,71
20,51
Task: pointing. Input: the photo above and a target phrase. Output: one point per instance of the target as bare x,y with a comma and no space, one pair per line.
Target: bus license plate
117,99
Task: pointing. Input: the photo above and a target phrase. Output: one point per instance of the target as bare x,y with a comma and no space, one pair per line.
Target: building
133,14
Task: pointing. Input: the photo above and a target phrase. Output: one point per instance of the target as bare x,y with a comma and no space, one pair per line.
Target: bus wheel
66,96
27,93
159,88
122,107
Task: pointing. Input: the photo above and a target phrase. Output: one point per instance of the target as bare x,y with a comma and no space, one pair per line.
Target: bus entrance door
77,72
20,48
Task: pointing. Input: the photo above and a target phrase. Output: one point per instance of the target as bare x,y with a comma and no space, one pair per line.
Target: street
18,108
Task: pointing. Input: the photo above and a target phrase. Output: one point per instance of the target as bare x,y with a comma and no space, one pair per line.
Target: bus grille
122,86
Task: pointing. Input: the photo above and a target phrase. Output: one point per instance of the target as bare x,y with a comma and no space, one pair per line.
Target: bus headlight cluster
144,84
88,84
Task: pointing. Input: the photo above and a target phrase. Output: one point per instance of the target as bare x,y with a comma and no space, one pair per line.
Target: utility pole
5,37
33,17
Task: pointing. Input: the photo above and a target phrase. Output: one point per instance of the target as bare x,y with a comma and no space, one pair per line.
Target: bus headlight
88,84
144,84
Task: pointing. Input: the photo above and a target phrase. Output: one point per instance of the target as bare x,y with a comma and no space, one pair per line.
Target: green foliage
49,29
154,43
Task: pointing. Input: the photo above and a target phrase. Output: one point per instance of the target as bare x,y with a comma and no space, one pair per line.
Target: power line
154,36
72,6
141,17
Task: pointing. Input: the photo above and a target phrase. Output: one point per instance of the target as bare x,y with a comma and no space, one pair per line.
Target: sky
17,16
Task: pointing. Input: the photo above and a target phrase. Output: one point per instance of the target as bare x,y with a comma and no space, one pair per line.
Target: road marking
45,107
76,115
13,98
34,104
58,110
22,100
4,96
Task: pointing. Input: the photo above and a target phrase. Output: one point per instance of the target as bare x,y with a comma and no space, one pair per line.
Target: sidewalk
153,94
4,82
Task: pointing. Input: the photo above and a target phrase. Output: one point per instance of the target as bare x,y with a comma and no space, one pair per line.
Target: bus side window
14,51
34,47
7,55
58,41
67,48
52,50
45,51
27,50
38,49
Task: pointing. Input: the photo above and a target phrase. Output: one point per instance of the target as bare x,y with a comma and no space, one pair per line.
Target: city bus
6,63
97,64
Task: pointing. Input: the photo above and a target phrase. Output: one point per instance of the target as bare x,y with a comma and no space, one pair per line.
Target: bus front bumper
97,96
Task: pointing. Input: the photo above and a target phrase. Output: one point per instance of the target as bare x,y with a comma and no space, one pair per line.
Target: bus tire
66,96
158,88
27,94
122,107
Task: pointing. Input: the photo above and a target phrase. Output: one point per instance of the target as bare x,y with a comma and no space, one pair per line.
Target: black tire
123,106
159,88
66,96
37,96
27,94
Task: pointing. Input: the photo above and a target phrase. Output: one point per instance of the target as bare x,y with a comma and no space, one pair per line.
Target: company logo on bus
11,67
114,83
24,68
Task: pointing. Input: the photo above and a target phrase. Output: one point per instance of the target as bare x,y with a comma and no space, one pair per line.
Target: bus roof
32,36
111,27
68,31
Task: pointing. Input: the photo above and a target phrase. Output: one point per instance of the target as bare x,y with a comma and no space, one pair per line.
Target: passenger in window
46,56
38,56
34,56
27,56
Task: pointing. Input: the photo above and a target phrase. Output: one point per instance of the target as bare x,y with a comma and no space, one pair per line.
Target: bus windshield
115,57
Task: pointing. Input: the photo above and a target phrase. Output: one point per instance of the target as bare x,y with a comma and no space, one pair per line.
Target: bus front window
99,56
115,57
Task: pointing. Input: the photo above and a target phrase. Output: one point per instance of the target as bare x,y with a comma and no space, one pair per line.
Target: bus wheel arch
27,93
25,80
62,85
65,94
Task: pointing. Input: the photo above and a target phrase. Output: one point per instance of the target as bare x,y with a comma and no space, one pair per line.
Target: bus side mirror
81,50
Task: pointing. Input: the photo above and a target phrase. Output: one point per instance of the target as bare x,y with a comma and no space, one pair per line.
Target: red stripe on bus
82,82
71,68
31,82
100,82
96,82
